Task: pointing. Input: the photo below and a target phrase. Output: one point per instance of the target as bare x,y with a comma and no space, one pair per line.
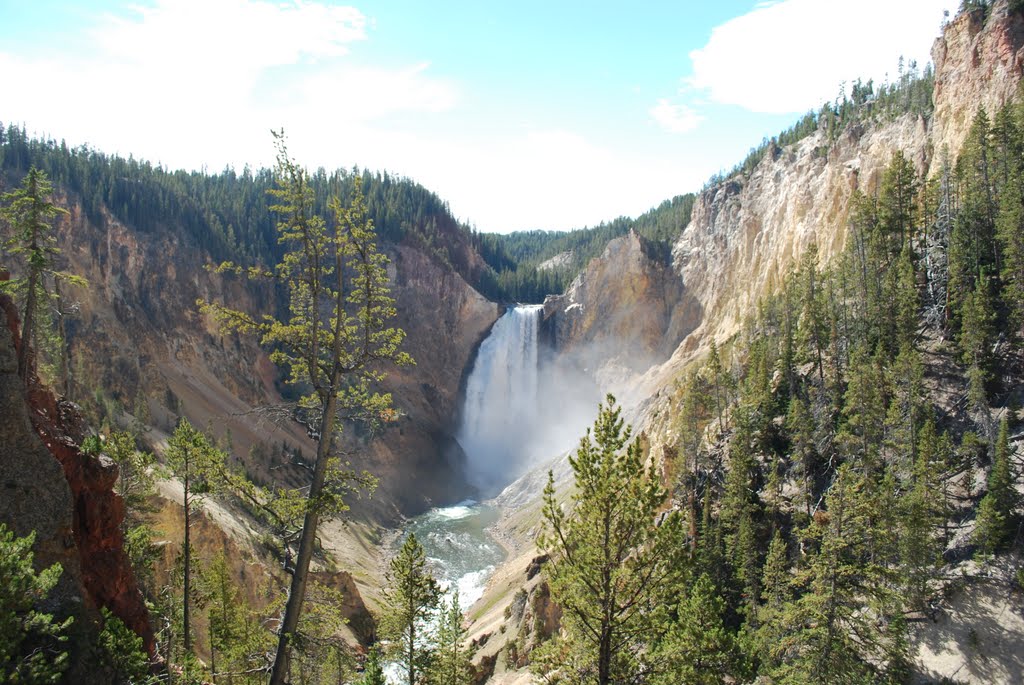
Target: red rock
106,574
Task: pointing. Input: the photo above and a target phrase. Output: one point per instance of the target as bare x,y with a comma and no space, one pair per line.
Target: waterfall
500,409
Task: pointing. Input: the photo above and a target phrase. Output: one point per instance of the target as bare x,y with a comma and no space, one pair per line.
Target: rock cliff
67,498
625,312
140,338
747,231
979,60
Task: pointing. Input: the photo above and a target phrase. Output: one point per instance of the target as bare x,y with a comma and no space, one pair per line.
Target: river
460,551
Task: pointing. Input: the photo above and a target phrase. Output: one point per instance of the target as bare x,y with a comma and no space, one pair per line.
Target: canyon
630,323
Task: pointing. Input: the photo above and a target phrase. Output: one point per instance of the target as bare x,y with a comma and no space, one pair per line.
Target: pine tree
906,408
451,664
135,475
334,343
739,510
123,653
907,301
834,632
972,246
864,410
373,671
812,332
192,459
921,515
996,521
699,649
720,384
897,204
31,641
976,336
692,421
410,598
236,641
776,595
29,215
610,564
804,453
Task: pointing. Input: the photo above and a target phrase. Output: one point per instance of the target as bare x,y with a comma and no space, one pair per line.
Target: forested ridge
228,214
808,497
837,462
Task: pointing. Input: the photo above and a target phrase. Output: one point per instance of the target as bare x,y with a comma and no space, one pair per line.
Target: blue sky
520,114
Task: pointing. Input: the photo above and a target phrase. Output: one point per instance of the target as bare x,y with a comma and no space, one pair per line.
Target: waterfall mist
521,408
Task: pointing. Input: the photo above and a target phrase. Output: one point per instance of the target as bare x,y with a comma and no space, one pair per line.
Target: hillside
798,233
832,326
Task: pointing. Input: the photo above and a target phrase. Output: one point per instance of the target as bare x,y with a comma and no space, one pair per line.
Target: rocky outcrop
747,231
626,311
444,320
67,498
979,62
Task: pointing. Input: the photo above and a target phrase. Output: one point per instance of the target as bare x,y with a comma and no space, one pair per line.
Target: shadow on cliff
67,498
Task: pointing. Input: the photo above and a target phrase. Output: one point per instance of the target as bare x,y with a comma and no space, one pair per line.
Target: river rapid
460,551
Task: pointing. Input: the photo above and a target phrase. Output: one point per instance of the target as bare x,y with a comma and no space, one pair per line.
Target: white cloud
200,82
249,34
791,56
542,178
675,118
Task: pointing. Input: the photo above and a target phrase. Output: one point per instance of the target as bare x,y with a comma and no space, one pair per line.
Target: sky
521,115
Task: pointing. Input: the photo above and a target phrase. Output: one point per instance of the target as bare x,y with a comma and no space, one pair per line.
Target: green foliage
922,513
192,457
31,243
123,653
450,665
610,564
31,640
997,512
976,335
373,671
233,639
410,597
699,649
833,633
136,474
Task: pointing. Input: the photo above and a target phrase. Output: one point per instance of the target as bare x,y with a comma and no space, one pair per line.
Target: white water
501,405
459,550
514,417
460,553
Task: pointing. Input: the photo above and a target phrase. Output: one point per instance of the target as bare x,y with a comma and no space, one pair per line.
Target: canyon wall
66,498
747,231
139,337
